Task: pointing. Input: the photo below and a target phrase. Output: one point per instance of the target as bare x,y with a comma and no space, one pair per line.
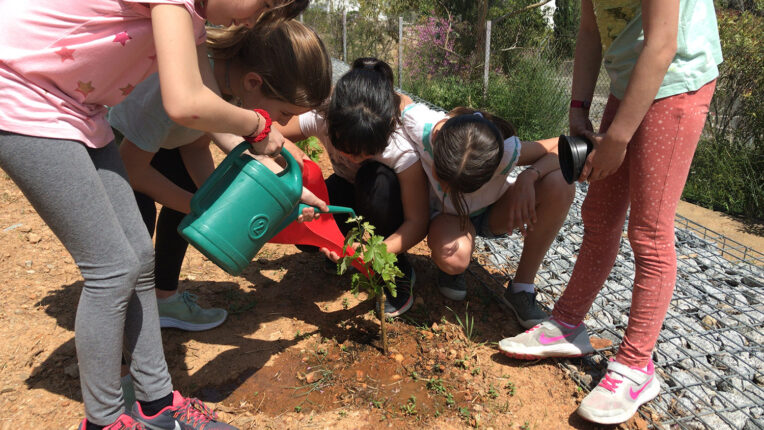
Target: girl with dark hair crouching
376,171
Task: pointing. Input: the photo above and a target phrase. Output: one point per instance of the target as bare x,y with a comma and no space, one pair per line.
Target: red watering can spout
323,232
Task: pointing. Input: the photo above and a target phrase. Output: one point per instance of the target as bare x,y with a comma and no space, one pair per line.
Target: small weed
492,393
468,325
510,387
450,399
298,409
475,371
437,413
461,362
436,385
342,413
464,412
410,407
525,426
377,403
345,303
414,375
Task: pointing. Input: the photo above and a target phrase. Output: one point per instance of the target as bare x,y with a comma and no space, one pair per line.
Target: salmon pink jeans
650,181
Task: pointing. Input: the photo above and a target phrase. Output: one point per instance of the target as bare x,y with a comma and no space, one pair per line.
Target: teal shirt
698,52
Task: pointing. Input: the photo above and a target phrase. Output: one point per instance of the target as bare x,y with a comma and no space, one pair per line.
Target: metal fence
394,40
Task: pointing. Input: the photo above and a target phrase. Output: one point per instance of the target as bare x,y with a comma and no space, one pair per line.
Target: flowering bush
432,53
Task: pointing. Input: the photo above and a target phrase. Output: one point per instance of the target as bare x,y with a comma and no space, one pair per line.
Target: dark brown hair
467,151
289,57
364,109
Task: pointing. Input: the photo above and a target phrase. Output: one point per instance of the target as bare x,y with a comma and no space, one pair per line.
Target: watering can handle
216,174
332,209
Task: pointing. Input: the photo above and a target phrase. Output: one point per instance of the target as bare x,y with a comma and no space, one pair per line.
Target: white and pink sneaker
550,338
620,393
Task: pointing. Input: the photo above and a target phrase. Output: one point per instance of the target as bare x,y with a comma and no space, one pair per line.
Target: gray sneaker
548,339
453,287
182,311
184,413
525,307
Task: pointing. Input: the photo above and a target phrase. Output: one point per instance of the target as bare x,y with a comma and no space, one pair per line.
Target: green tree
566,18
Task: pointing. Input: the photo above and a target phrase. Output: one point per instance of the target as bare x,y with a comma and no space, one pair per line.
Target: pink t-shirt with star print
63,61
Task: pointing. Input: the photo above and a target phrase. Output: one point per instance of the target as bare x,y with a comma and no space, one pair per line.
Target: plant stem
381,316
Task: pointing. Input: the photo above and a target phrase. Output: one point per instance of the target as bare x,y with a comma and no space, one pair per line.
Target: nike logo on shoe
635,394
544,340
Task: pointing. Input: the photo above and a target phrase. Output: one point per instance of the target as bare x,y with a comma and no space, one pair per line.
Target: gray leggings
84,197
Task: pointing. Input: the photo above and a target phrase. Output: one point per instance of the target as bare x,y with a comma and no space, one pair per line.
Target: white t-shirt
399,155
418,122
142,119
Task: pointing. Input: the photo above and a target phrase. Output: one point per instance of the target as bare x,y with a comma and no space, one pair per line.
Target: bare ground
298,351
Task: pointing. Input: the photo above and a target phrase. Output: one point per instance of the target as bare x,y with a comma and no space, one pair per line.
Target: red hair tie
266,129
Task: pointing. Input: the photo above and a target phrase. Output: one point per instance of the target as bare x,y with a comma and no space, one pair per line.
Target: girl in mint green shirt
662,58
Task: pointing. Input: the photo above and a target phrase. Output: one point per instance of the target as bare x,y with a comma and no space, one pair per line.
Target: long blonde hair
289,57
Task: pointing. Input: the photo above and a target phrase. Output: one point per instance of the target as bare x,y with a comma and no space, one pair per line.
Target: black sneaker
453,287
526,308
404,289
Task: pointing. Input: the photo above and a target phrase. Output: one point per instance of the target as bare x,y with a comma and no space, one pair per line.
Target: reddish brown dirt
298,350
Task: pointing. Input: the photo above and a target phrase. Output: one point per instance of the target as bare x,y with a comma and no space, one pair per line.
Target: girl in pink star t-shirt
62,62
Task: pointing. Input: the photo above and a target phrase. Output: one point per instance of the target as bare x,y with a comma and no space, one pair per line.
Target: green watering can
242,206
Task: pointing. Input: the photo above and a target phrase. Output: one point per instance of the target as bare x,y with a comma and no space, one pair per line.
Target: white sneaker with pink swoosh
550,338
620,393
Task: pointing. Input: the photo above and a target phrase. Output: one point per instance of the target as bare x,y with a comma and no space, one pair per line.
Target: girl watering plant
280,67
61,63
662,58
468,156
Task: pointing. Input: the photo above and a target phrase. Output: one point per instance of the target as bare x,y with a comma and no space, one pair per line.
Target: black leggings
376,195
170,247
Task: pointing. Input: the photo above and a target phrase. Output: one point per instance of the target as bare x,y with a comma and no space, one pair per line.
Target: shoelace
195,412
609,383
189,299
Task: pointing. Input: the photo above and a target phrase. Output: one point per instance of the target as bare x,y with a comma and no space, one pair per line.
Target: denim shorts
480,222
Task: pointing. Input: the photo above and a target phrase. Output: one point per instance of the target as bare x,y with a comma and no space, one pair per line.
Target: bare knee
452,258
555,192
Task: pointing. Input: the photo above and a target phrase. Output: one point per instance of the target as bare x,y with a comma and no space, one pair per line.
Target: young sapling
378,267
